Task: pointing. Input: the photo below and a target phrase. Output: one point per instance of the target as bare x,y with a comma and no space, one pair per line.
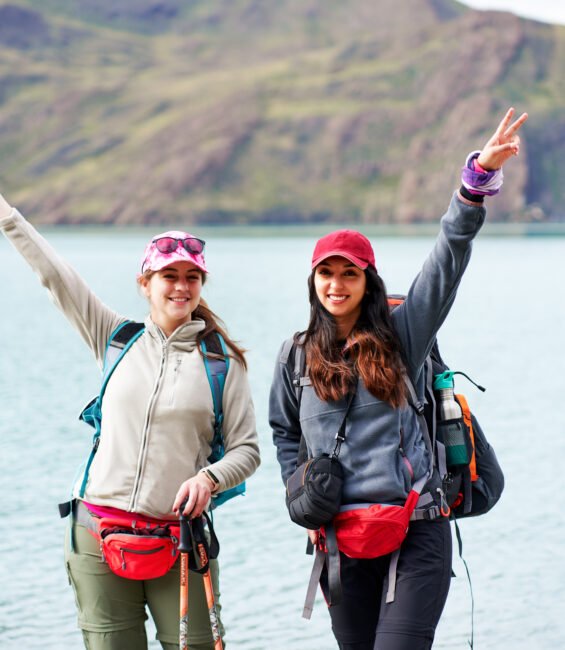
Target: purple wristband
480,183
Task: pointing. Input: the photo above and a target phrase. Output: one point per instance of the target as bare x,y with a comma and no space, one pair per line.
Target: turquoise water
505,330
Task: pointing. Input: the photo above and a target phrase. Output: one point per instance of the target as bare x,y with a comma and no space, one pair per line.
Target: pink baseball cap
173,246
350,244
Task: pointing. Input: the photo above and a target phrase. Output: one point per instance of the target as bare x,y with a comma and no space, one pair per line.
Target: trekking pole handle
185,544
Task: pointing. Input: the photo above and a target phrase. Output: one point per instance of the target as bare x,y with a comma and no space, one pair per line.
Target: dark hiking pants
364,621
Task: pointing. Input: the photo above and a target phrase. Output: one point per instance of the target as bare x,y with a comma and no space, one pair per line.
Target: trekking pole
184,548
208,587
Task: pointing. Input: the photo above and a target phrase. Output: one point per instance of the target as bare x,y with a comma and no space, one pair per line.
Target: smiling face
340,287
173,294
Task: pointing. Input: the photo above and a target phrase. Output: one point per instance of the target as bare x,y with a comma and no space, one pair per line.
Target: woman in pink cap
155,437
350,398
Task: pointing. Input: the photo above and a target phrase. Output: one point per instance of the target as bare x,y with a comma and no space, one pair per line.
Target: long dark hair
213,323
372,350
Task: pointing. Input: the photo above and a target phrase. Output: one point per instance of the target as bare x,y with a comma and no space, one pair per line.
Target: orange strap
469,424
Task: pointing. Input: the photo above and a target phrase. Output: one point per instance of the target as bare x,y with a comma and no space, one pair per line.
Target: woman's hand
196,492
314,535
503,144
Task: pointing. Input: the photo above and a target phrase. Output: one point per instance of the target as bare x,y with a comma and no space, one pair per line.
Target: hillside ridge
300,111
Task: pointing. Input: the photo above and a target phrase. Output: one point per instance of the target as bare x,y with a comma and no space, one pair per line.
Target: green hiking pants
112,609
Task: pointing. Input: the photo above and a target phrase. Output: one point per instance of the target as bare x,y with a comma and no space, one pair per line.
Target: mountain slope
245,111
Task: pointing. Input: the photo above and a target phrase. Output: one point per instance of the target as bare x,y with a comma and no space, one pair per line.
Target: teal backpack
121,340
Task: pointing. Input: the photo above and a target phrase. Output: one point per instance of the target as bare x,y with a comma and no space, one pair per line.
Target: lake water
506,330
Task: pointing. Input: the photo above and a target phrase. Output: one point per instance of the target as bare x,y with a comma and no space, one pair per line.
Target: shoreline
529,229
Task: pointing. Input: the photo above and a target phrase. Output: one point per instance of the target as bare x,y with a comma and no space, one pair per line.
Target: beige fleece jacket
157,413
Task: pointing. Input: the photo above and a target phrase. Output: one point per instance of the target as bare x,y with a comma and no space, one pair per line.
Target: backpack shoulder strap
295,346
426,410
286,349
120,341
293,350
217,367
216,370
419,408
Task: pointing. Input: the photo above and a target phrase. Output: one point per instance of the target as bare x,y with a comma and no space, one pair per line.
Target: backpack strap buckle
419,407
426,514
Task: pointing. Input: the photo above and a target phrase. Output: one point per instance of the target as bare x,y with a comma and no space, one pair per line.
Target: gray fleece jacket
375,469
157,413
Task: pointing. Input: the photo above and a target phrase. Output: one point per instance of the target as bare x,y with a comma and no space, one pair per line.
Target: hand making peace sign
503,144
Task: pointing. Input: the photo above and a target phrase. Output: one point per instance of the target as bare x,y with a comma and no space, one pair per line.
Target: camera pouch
313,491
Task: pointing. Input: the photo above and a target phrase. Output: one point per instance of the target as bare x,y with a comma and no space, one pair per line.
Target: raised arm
5,207
84,310
433,291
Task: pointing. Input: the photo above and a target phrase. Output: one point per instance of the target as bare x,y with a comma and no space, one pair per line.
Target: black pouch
313,492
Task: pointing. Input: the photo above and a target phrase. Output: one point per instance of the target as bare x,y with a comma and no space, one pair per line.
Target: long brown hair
213,323
372,350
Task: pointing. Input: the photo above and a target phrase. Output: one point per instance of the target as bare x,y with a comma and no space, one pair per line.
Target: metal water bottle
449,408
451,429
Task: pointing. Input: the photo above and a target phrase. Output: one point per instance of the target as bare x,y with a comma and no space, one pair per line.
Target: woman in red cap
357,354
154,451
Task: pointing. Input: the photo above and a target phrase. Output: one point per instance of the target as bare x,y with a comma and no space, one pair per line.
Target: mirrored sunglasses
191,245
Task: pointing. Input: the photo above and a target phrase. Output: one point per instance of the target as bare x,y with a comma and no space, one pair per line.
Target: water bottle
451,429
449,408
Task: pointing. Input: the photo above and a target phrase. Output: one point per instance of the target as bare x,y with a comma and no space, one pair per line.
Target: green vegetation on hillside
243,111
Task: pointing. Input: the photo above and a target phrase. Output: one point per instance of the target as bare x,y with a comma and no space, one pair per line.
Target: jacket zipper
404,456
143,446
175,376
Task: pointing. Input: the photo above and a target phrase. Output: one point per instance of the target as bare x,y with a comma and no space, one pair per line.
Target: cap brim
354,260
167,263
174,258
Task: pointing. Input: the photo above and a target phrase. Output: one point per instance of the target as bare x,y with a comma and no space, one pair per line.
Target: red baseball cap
350,244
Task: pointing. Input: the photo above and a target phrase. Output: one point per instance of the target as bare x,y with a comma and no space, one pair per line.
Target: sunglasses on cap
168,245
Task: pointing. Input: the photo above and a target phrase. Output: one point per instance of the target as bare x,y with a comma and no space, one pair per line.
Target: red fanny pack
375,530
139,553
138,549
